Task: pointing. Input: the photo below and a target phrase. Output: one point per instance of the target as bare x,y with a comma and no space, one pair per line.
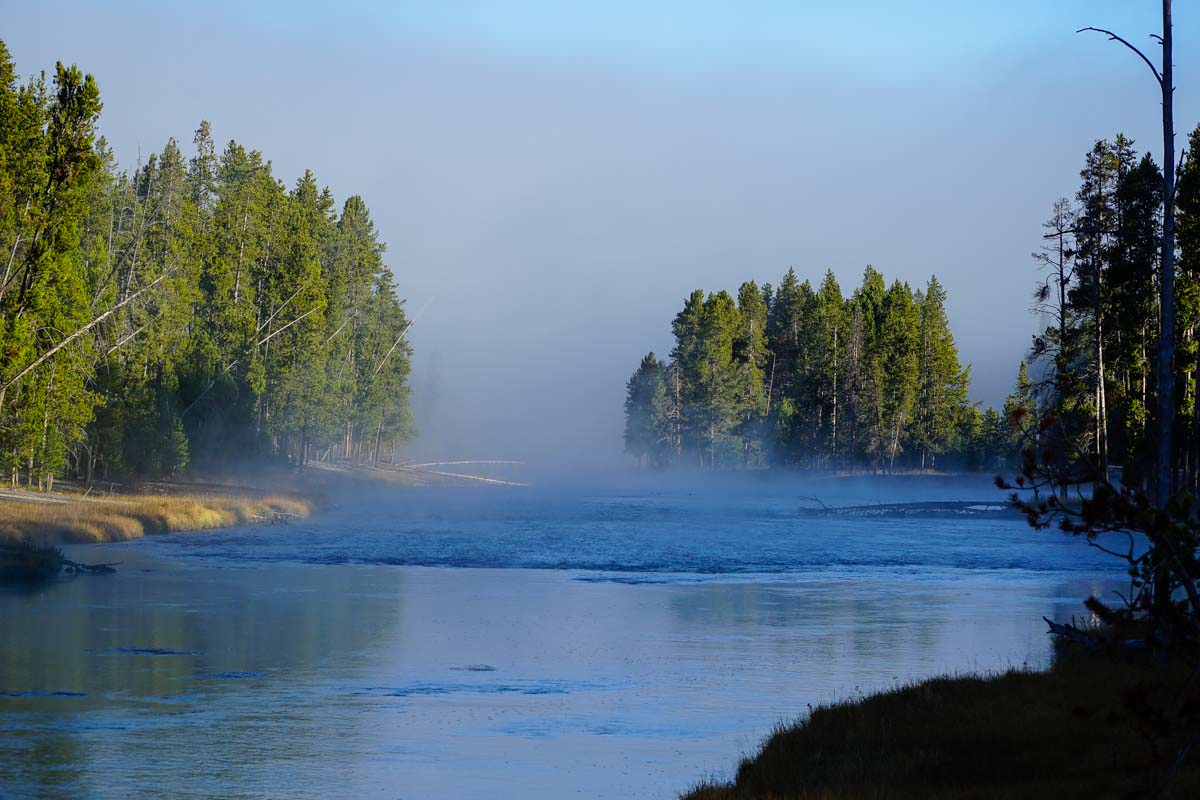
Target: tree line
195,311
1099,295
803,376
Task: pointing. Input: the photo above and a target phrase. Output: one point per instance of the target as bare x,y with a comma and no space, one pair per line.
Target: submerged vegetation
193,312
802,376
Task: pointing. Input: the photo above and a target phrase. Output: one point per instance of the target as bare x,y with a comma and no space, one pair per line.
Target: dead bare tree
1164,472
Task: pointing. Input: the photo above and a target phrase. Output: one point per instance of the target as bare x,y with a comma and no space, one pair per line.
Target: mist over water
669,527
614,641
551,185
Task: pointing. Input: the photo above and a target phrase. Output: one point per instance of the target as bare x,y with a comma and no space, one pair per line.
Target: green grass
1073,731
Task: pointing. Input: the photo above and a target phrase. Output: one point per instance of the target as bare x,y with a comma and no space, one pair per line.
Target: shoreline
1070,730
34,524
61,518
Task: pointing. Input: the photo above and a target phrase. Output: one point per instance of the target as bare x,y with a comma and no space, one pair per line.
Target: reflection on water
203,669
169,673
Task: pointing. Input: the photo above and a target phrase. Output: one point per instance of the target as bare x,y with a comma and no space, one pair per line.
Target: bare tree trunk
1195,477
771,384
834,420
1060,394
237,276
1101,398
1166,335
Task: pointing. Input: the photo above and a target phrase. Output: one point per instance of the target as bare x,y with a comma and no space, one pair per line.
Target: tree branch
349,319
124,340
275,313
268,338
1112,37
395,344
50,353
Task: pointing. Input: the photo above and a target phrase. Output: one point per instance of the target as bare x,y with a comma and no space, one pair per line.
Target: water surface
483,643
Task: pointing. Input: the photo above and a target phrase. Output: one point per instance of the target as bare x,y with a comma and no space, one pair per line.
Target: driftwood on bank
1092,639
275,517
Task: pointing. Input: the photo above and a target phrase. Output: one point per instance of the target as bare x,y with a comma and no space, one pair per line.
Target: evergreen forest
1099,297
193,312
805,376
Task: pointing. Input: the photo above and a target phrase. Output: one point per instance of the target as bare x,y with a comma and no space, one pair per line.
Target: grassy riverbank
66,518
1084,728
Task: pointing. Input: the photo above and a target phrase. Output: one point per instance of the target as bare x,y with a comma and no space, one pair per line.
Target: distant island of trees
196,311
803,376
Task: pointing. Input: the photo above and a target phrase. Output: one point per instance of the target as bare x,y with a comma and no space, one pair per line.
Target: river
617,641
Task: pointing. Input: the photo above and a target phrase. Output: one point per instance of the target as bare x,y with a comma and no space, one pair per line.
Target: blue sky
919,39
700,35
552,179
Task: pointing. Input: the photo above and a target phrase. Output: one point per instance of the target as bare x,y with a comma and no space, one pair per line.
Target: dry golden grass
128,517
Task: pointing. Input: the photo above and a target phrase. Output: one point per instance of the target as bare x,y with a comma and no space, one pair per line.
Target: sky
552,179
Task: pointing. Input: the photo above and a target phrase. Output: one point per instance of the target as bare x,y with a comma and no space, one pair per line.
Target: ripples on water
686,533
458,643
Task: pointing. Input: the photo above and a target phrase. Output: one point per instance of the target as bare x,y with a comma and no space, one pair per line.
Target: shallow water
482,643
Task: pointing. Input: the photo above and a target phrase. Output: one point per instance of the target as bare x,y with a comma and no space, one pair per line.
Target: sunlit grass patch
126,517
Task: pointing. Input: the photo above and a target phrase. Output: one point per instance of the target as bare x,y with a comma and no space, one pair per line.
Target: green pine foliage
648,426
195,312
1093,365
806,378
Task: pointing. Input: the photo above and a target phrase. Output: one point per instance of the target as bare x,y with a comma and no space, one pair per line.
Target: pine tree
688,358
898,348
941,381
750,357
44,296
790,331
864,370
1093,233
834,383
190,312
647,432
830,369
1132,261
717,391
1187,289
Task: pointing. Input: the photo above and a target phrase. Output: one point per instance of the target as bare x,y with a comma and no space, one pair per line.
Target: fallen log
1092,640
79,568
955,508
27,562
